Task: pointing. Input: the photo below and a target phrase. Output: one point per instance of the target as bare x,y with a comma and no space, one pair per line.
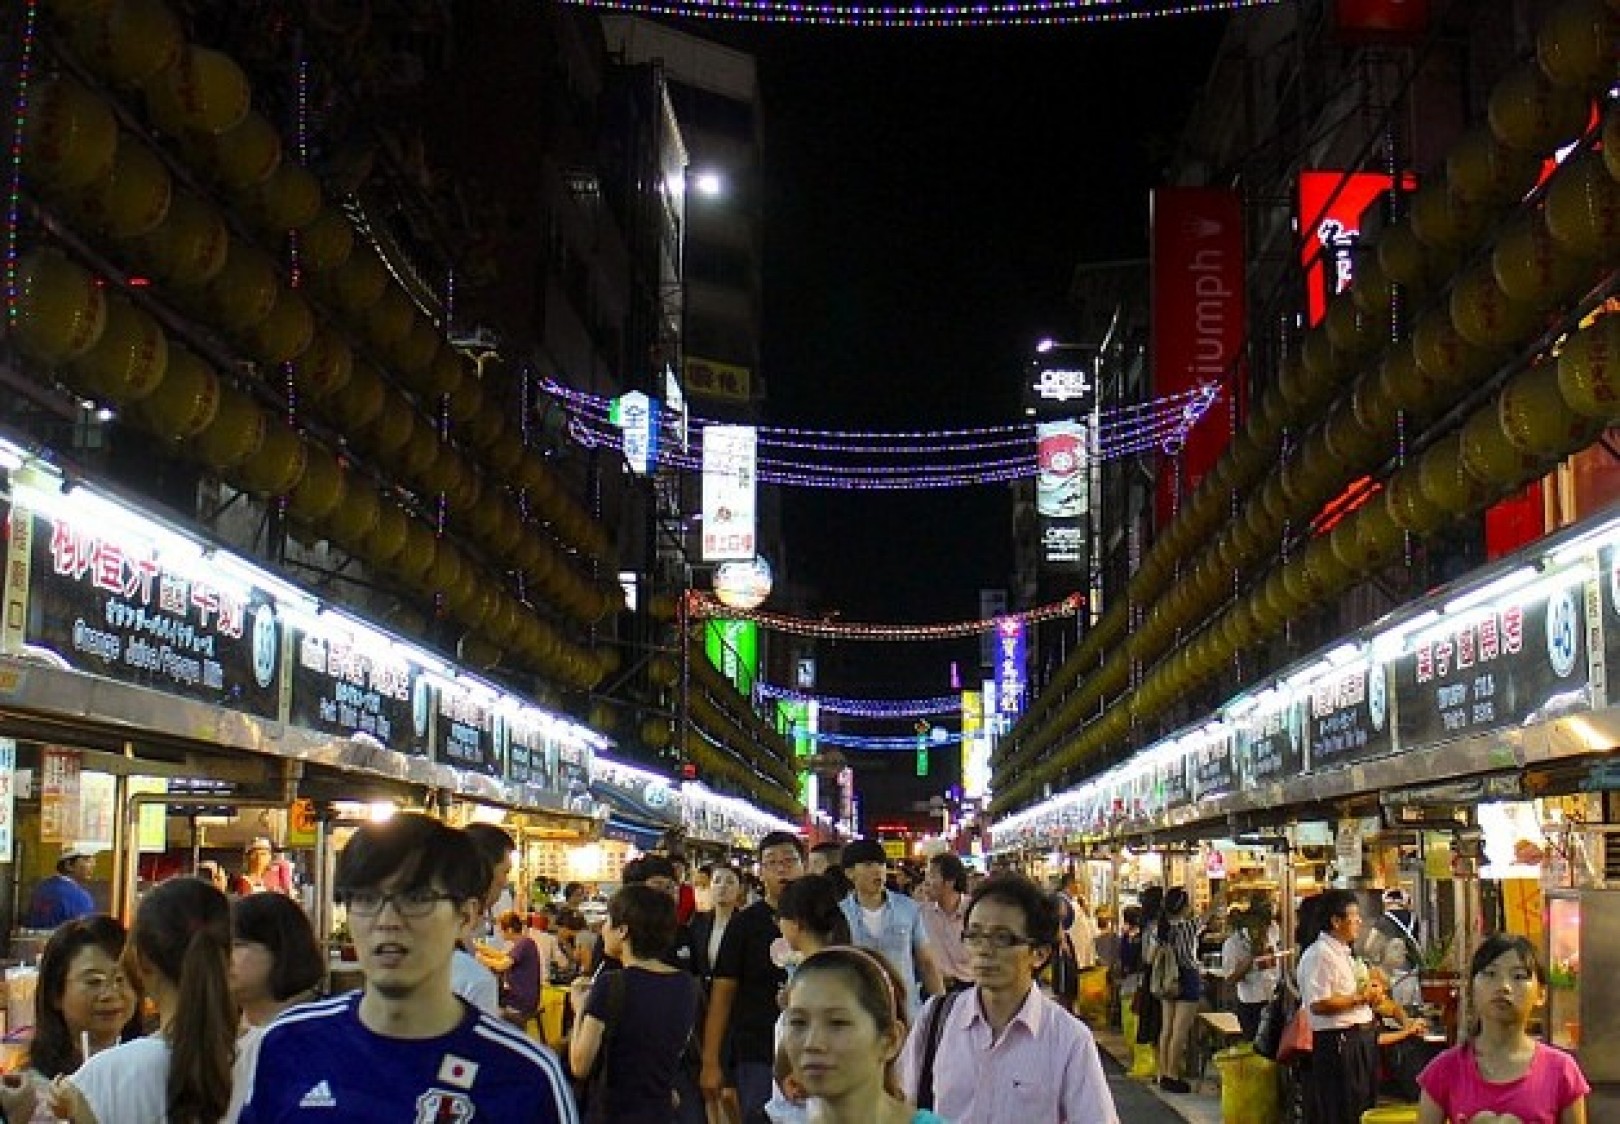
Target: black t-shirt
654,1024
745,956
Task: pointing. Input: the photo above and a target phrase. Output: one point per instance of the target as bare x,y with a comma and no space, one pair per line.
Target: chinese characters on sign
58,795
729,456
1010,641
1349,716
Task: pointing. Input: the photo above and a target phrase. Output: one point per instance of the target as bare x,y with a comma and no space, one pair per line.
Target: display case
1582,930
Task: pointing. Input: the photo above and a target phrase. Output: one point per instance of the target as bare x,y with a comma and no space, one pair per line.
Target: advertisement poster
1518,662
1271,746
344,686
1331,204
729,482
1010,655
1348,716
1063,493
58,795
114,607
465,734
531,755
1214,768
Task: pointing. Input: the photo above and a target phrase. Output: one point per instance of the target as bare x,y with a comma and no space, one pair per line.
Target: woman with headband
844,1029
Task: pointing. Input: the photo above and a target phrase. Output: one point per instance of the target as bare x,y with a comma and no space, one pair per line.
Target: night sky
928,197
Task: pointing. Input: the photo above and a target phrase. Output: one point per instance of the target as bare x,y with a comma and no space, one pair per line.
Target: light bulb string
698,605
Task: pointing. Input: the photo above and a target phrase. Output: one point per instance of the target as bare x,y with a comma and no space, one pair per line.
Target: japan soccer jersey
319,1062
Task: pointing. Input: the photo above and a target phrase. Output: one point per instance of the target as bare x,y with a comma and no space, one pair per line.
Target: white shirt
473,982
1043,1069
129,1084
1258,984
1326,969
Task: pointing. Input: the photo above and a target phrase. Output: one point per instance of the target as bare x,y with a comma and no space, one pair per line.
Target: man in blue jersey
406,1048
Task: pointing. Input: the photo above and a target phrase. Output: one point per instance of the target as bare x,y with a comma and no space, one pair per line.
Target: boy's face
405,936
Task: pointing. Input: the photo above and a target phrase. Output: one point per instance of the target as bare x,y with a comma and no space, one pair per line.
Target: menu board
112,605
1214,769
343,685
1347,716
1174,789
1516,662
1271,746
464,733
574,776
1609,585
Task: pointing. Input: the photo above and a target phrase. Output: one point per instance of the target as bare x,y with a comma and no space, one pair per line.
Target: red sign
1330,208
1199,310
1380,21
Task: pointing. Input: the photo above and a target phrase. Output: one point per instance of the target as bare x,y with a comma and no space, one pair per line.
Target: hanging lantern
1486,316
1379,540
128,41
1443,481
1527,112
1583,208
474,651
486,427
447,567
421,550
357,514
1442,221
325,242
70,137
1407,261
1323,365
1352,332
288,199
1309,478
420,454
1536,419
240,157
1371,289
355,285
323,367
1408,507
1481,169
1589,370
279,464
203,91
1270,509
286,333
61,310
129,359
1352,444
1445,356
464,404
243,292
130,200
1575,46
1532,268
1490,457
184,403
320,489
389,316
358,401
189,247
443,476
1269,420
389,431
235,433
1374,407
411,355
446,373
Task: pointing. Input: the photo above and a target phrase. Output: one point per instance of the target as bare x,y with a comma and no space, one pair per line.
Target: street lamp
709,183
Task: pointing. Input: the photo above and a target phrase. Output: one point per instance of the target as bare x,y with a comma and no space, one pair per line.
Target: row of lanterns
1346,367
736,724
109,182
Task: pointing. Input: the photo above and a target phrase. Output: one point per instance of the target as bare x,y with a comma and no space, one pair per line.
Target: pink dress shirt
1044,1068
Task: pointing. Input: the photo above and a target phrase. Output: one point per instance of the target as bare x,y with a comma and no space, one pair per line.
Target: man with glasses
1002,1052
742,999
406,1047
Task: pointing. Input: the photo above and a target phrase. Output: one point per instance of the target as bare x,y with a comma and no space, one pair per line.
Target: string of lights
705,606
1045,13
865,708
19,130
879,742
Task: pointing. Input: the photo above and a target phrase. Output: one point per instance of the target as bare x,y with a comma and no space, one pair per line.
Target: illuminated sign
1331,204
1010,654
729,463
636,415
743,585
733,647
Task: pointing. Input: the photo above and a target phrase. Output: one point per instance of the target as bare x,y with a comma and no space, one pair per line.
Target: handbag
1296,1040
1165,978
1274,1019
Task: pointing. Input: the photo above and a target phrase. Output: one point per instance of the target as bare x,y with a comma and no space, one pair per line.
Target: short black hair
648,867
1040,909
492,841
1335,903
828,847
781,839
812,901
281,926
647,915
951,869
422,850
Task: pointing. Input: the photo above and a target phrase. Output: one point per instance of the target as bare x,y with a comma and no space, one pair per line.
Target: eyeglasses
415,903
780,861
99,982
995,938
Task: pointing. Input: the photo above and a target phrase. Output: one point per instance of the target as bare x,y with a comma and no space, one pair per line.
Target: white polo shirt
1327,969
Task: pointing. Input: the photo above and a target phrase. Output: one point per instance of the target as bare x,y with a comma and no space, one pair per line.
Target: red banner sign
1330,208
1199,312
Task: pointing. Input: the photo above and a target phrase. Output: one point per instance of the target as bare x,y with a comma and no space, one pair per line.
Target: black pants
1344,1075
1248,1017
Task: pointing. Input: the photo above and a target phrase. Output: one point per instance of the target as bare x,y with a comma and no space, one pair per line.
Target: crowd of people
821,988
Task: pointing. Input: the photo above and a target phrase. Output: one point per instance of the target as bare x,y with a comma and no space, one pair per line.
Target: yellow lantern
61,309
1351,331
1375,408
1589,371
475,651
412,354
1353,445
1532,268
203,91
128,41
1379,540
487,426
279,464
189,247
1526,111
389,316
357,402
443,476
128,361
132,199
1490,456
389,431
1583,208
1442,221
241,157
286,333
355,285
1443,481
1323,365
1408,507
324,366
1407,261
357,514
1371,290
1309,479
1445,356
325,242
184,403
320,489
1486,316
505,453
421,453
1536,419
289,198
244,291
69,136
421,551
1482,169
235,433
464,404
446,373
1575,46
1347,548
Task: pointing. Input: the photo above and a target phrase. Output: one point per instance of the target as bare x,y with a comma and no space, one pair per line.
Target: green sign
733,647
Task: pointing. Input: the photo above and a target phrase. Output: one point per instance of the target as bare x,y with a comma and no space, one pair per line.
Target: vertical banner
1198,323
1063,494
992,604
8,798
975,747
637,417
729,461
58,795
1331,204
19,564
1010,656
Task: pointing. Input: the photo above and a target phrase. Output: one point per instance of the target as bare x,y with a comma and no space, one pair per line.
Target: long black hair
55,1049
812,901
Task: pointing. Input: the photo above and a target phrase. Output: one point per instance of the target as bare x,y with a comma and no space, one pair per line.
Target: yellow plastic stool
1391,1114
1250,1093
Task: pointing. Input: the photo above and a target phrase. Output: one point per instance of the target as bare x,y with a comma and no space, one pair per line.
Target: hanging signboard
1609,587
729,456
344,685
58,795
531,754
1271,746
1348,716
1063,493
8,797
1214,768
112,605
1519,661
464,729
